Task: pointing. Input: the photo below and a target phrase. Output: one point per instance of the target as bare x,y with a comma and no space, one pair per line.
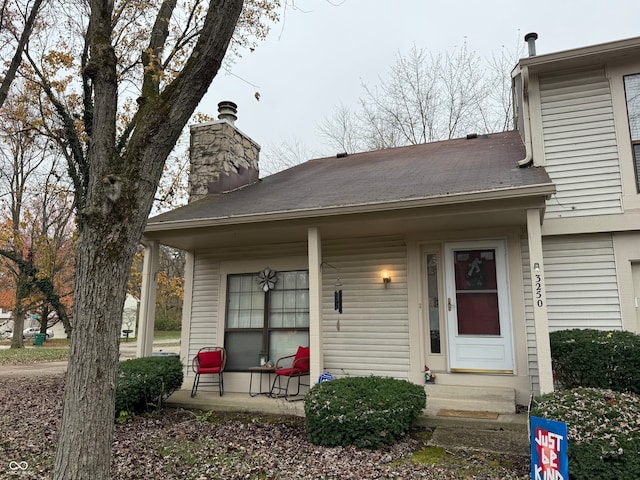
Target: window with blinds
632,92
273,322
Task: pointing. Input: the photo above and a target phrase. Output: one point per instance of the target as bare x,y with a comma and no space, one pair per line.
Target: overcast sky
319,54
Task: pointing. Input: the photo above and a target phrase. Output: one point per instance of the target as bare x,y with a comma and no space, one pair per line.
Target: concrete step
506,433
501,400
508,441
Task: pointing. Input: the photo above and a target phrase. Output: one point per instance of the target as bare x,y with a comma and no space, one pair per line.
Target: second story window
632,92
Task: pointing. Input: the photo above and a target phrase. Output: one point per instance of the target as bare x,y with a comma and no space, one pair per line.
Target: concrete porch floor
507,433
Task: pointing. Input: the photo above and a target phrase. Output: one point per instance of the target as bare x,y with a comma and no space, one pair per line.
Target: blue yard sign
549,459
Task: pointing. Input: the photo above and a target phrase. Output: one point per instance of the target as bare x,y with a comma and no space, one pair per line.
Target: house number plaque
538,290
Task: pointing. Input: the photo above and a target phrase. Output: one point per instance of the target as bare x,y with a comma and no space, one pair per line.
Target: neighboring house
487,242
129,318
6,323
58,330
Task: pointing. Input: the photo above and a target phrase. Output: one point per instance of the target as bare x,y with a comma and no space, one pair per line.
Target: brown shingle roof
430,170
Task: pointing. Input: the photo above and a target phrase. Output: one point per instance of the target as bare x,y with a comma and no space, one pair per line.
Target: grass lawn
167,335
57,349
53,342
33,354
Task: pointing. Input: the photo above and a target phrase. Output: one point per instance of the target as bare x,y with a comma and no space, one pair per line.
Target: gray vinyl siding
580,148
204,302
581,282
374,326
532,352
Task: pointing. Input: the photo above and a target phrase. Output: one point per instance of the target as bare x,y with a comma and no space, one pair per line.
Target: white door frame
479,353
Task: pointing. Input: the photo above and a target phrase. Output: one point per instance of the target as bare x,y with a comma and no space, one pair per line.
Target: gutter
626,47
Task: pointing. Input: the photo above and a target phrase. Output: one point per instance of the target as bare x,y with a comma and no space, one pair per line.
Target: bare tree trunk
103,253
18,311
84,447
119,193
44,318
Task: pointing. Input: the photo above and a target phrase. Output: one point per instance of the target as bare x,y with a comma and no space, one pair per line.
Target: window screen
275,322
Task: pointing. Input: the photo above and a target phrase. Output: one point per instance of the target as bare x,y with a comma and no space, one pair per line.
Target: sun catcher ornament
267,279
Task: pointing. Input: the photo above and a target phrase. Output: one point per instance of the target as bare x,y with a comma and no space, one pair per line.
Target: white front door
478,309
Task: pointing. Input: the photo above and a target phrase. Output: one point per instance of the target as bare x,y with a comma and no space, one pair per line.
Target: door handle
449,304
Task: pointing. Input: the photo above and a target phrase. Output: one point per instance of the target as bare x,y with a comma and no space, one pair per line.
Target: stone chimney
222,157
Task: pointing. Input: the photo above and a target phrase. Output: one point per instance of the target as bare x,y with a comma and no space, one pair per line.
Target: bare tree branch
10,75
423,98
78,167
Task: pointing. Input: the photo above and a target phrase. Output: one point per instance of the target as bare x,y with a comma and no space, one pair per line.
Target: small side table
262,371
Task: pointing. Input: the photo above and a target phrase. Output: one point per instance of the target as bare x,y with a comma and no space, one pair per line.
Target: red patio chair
209,360
291,366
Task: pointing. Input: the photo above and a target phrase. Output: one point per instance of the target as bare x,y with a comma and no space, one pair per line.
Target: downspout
530,38
528,148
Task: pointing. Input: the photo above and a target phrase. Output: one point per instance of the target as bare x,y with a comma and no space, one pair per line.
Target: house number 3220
539,290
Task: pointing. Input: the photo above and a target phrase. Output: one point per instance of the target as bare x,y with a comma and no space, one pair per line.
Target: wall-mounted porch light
386,277
536,267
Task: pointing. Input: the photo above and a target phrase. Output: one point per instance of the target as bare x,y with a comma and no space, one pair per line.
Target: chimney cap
531,38
227,110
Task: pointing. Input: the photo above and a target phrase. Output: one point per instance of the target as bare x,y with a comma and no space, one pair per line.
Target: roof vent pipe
531,38
227,111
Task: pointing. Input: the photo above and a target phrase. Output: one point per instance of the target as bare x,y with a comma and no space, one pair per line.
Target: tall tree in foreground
115,172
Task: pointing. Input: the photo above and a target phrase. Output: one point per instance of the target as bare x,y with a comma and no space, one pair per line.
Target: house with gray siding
580,120
461,255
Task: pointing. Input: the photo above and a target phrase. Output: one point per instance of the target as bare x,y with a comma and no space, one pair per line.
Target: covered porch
380,320
386,262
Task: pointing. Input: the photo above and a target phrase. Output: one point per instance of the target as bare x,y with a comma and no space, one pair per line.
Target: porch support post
186,310
315,303
540,318
148,298
417,334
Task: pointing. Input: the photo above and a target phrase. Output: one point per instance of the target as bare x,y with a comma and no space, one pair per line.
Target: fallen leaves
175,445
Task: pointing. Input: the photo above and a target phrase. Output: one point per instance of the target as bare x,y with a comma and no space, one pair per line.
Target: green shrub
595,358
170,321
604,439
144,381
363,411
